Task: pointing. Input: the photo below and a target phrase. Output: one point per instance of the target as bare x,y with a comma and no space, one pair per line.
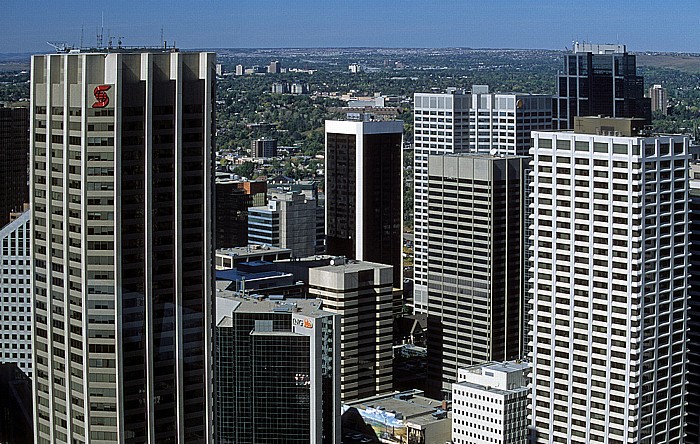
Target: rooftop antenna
60,46
82,34
100,35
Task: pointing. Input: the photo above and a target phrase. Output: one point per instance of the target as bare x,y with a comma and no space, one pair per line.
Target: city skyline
215,24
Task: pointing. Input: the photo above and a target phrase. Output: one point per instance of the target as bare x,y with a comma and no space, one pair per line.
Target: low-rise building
405,417
289,221
489,404
227,258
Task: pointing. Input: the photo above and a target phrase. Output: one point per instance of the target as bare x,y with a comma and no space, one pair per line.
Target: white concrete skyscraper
609,297
441,126
458,122
121,185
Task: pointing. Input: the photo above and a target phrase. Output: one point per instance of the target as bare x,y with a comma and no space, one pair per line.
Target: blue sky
25,25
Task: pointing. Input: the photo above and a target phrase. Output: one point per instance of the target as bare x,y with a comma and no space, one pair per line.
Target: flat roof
229,301
352,266
416,409
251,250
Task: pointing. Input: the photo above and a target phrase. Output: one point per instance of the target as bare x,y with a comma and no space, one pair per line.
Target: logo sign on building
306,323
101,96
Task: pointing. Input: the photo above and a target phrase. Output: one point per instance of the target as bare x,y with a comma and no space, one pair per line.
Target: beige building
121,186
361,293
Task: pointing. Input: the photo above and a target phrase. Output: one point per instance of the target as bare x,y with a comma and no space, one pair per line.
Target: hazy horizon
275,24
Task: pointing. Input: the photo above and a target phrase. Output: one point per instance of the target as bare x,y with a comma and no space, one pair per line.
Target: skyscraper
14,161
610,272
441,126
693,366
122,178
277,368
458,122
475,272
15,294
361,293
599,80
364,192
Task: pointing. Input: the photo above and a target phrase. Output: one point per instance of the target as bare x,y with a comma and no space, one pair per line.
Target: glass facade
276,383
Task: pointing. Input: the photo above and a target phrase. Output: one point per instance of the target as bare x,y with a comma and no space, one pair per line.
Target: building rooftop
481,156
341,266
228,302
502,367
609,126
251,250
408,407
65,48
599,48
500,378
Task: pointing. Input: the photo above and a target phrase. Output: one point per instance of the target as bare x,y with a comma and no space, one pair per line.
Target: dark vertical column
193,249
693,365
163,254
382,212
340,195
133,258
14,158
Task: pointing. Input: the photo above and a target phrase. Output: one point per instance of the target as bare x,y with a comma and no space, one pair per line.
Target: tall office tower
15,294
599,80
693,383
360,292
500,123
288,221
441,126
489,404
14,161
456,122
659,99
122,178
264,148
233,199
364,192
475,271
610,271
277,372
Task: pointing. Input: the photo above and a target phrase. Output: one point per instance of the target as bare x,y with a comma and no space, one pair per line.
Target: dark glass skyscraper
599,80
364,192
122,180
14,158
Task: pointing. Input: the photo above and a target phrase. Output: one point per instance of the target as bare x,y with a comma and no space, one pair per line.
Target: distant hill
681,62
